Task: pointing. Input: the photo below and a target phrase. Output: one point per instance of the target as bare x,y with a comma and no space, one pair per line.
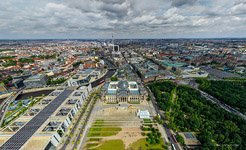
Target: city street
221,104
5,104
168,131
77,130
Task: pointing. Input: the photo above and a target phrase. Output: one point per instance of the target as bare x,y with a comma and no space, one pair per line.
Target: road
75,127
6,103
221,104
85,122
94,84
216,101
168,131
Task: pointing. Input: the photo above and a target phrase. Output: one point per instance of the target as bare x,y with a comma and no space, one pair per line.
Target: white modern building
84,77
193,72
36,81
50,133
143,114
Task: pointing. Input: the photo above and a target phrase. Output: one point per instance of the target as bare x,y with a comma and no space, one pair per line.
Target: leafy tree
10,63
232,92
114,78
180,139
189,111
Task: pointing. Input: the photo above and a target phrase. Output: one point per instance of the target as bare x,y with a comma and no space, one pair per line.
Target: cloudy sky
123,18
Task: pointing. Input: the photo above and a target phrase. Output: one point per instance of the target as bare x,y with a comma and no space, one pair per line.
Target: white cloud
125,18
239,8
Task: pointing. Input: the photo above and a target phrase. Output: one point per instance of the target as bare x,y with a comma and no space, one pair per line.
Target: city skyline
75,19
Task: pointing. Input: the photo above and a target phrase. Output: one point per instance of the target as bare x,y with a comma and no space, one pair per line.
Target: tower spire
112,38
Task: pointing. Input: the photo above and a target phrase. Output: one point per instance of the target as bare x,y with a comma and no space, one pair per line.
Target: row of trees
10,63
187,111
232,92
26,60
44,56
153,136
114,78
76,64
56,81
7,57
7,80
22,61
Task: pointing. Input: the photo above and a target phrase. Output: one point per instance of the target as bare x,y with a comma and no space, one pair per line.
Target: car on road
173,147
174,138
101,81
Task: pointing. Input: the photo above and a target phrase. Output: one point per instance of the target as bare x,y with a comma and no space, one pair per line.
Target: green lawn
142,144
8,113
111,145
101,134
147,120
106,125
105,129
94,140
91,145
138,102
99,122
99,129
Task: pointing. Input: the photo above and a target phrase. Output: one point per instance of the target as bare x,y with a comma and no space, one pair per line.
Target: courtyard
116,126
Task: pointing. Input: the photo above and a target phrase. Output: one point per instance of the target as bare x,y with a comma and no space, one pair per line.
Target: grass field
94,140
142,144
101,134
147,120
98,129
111,145
99,122
105,129
91,145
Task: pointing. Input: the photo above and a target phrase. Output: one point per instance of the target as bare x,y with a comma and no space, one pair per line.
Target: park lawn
147,120
138,102
101,134
99,121
106,125
91,145
8,113
111,145
105,129
142,144
99,130
94,140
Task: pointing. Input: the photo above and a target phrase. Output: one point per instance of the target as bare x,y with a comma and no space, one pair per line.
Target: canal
34,94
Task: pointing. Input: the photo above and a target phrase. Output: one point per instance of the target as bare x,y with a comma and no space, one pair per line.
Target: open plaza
119,126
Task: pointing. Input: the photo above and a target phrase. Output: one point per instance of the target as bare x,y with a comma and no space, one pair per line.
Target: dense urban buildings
152,92
47,121
123,75
36,81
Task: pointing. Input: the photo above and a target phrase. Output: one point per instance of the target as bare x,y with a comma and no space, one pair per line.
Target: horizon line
122,38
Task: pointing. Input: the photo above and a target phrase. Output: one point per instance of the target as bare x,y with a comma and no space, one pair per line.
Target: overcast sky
123,18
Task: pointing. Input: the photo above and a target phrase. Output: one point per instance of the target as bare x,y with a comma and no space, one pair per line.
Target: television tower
113,39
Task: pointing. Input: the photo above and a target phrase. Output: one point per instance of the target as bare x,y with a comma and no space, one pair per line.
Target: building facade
36,81
123,91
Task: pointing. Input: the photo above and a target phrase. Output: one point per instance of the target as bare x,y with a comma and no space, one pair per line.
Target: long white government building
45,124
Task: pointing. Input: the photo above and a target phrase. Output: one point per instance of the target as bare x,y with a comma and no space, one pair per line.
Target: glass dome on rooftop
123,85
